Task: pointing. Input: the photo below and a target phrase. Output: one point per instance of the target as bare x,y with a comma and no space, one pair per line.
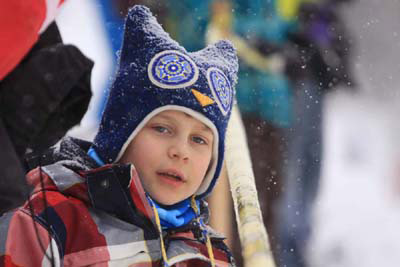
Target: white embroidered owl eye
221,89
171,69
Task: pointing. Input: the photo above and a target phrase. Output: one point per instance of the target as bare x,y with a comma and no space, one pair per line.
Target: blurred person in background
317,62
44,90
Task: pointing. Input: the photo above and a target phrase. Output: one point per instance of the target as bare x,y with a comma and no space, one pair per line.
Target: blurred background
319,101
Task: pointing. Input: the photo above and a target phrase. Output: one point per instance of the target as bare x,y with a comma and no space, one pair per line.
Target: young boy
134,197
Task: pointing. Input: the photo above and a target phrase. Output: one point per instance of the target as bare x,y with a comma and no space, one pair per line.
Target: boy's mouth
174,175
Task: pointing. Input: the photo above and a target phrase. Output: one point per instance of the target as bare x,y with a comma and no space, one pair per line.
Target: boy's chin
166,202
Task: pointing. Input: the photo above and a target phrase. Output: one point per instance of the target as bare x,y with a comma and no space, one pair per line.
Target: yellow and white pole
256,249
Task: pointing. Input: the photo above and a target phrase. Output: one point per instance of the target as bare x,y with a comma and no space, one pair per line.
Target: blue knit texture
155,71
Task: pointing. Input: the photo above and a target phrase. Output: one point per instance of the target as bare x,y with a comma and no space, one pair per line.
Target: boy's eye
199,140
160,129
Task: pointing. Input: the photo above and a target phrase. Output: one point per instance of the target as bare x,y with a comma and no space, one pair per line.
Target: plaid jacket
78,215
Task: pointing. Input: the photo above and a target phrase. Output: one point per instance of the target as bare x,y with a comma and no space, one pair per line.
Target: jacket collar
116,189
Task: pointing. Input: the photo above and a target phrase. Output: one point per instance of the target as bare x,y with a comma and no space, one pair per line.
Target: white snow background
357,213
81,23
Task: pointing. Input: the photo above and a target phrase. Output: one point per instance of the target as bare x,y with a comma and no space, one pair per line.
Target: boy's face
171,154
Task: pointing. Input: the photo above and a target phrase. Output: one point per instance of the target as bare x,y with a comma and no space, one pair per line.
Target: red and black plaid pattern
61,224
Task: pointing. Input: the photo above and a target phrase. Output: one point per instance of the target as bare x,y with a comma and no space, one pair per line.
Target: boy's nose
178,151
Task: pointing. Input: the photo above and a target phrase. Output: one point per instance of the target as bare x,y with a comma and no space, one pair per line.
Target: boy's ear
142,34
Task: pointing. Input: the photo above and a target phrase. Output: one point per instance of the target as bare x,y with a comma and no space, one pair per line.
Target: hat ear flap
142,34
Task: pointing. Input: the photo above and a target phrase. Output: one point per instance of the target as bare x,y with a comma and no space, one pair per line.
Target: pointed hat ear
221,54
229,56
227,50
143,33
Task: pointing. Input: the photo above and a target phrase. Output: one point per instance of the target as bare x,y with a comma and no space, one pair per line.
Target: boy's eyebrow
206,128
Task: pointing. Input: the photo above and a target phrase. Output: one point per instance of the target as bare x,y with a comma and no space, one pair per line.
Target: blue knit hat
157,74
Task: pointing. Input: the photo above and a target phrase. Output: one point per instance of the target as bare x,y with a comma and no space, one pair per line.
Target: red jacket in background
21,22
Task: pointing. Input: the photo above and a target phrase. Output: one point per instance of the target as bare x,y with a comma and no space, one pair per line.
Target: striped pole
256,249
